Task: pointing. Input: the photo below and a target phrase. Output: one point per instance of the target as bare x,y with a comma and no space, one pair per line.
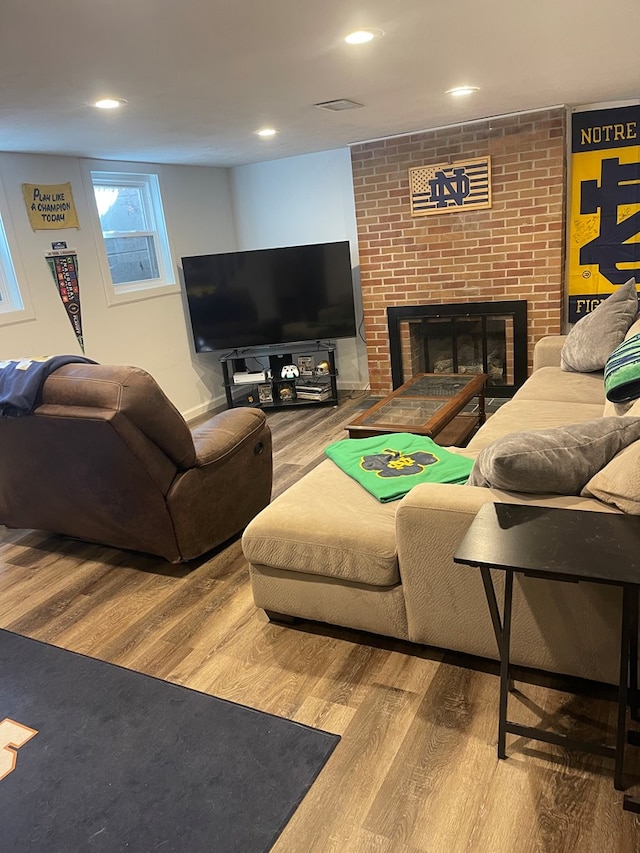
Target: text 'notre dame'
608,133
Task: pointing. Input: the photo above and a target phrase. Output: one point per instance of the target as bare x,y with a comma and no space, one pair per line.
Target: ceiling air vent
339,105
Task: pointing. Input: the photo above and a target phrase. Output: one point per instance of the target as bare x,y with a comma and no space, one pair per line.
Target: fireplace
472,337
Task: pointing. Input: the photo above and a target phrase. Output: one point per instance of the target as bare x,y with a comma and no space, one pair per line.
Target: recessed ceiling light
265,132
109,103
459,91
363,36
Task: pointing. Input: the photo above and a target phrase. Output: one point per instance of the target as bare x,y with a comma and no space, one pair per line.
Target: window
10,297
134,231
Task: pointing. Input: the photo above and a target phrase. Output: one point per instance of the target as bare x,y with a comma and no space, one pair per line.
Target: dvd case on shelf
305,365
265,393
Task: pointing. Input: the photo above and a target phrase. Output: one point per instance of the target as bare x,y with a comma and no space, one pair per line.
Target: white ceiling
200,76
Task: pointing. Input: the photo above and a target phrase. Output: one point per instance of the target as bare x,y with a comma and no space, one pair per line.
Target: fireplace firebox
471,337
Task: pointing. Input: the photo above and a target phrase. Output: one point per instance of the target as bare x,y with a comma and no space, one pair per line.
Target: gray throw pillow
593,338
558,461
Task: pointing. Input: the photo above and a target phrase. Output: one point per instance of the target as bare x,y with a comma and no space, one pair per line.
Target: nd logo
12,736
454,187
615,250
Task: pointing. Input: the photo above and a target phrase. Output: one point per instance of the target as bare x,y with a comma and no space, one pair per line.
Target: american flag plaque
450,187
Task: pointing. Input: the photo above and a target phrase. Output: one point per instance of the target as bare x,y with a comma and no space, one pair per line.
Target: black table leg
628,596
629,803
505,681
502,630
493,606
633,656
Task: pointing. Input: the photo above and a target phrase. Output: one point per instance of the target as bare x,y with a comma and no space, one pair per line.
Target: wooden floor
416,768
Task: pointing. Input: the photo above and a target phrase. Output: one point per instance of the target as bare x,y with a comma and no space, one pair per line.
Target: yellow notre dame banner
604,234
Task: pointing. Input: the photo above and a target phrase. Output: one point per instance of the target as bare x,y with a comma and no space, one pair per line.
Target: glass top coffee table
431,404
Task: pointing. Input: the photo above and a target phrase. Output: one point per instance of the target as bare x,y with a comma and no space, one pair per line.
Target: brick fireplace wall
513,250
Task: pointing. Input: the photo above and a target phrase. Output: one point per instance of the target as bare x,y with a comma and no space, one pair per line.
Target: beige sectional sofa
327,550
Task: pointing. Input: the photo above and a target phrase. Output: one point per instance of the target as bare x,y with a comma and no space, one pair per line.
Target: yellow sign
50,206
604,234
450,186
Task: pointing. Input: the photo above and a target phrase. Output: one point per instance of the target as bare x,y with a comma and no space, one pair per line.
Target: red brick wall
513,250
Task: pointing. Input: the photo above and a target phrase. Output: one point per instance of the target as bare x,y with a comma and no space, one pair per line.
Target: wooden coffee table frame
448,423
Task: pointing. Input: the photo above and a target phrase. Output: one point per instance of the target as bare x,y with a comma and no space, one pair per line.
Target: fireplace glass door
472,338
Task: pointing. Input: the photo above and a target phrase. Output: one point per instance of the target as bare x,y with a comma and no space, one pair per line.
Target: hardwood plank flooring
416,770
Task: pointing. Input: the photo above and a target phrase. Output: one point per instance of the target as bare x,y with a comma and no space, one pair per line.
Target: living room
416,768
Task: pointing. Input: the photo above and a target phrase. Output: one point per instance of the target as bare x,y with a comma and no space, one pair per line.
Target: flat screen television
270,296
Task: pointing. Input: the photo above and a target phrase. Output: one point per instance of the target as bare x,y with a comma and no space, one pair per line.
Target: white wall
298,200
151,333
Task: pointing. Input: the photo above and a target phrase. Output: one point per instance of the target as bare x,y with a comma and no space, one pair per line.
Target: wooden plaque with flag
465,185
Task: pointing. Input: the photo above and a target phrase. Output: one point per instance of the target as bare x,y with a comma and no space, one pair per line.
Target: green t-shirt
390,465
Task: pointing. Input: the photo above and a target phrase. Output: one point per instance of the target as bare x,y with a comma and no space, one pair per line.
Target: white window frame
147,179
15,303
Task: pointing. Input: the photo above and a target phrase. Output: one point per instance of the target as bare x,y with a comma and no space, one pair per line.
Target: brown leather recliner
106,457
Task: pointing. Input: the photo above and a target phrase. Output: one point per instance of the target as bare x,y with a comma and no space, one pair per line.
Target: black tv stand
258,376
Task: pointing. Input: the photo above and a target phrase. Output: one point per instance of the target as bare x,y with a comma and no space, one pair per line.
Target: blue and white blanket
21,381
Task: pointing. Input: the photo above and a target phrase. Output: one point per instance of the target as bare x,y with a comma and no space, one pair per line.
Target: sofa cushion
517,415
327,525
555,384
554,461
595,336
622,372
618,483
630,409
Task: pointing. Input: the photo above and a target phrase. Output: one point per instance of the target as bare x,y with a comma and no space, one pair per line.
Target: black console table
571,546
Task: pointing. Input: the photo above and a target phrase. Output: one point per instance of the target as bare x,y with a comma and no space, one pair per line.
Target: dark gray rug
125,762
